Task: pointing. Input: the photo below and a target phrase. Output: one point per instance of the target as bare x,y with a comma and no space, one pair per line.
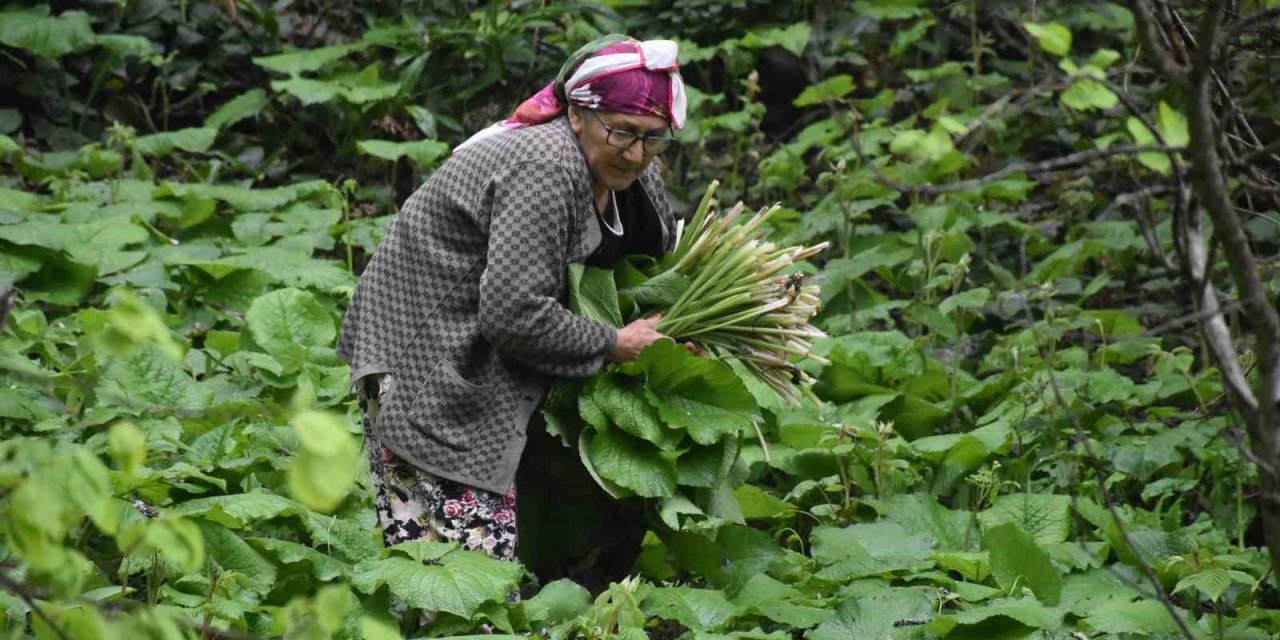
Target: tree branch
1211,190
1152,47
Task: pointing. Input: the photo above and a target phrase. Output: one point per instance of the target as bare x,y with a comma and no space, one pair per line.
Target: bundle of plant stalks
669,425
742,298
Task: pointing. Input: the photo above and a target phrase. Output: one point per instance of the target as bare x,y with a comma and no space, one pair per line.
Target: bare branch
1250,23
1211,190
1152,46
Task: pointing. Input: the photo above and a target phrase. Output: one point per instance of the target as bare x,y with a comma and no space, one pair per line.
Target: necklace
615,225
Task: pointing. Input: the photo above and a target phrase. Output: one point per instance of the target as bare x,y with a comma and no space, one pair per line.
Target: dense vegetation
1050,405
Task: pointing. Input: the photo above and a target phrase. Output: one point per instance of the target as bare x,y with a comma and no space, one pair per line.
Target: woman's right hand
633,338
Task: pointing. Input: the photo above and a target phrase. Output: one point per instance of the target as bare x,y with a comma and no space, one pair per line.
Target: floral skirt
416,505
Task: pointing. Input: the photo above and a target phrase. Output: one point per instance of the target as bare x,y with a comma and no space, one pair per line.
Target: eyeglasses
623,139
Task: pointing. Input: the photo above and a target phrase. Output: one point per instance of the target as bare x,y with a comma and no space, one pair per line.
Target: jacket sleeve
524,277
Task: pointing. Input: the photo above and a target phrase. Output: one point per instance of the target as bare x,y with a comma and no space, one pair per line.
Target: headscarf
613,73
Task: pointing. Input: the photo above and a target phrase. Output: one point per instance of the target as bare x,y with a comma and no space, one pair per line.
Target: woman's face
613,168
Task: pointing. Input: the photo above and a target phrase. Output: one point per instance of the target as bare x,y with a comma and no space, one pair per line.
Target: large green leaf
232,553
237,511
700,395
697,609
632,463
868,549
621,401
51,37
296,62
149,380
592,293
1046,517
1016,561
286,323
457,582
1142,618
192,140
245,105
559,601
1026,611
323,567
896,613
424,153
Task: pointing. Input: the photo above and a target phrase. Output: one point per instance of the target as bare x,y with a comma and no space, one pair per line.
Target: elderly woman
458,326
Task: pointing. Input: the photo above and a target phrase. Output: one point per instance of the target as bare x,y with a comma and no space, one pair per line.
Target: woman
458,326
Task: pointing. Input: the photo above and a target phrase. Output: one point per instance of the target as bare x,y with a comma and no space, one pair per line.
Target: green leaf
424,153
325,468
1053,37
148,380
706,466
232,553
1087,93
242,198
300,61
1214,582
1026,611
697,609
1172,125
45,36
353,540
661,290
829,90
192,140
593,294
1143,136
458,582
286,323
968,299
237,511
891,614
308,91
869,549
245,105
1046,517
559,601
757,504
1016,561
1144,618
700,395
128,447
632,463
621,400
924,146
793,38
323,567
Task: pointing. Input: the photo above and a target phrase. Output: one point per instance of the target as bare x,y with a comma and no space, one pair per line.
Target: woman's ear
575,119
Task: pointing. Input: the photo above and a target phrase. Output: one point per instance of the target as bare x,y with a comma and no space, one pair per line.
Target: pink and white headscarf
613,73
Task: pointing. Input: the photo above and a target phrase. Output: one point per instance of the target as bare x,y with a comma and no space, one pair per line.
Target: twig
1192,318
24,592
1151,46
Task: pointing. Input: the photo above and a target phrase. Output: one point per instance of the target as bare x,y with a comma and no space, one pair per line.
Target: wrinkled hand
633,338
694,348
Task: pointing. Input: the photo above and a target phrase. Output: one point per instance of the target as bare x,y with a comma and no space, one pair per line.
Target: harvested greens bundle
669,425
738,299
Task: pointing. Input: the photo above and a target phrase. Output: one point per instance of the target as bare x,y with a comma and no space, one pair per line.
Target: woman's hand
633,338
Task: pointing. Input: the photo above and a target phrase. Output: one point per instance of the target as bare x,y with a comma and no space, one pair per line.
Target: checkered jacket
463,302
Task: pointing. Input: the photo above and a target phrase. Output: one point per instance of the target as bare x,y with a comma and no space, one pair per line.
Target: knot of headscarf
613,73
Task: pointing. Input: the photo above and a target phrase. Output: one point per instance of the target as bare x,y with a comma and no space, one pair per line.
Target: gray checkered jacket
463,302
